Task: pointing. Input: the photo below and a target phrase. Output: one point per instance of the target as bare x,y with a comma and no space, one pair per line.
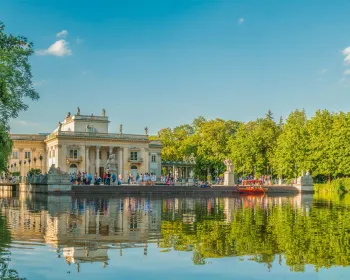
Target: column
126,167
87,159
110,150
98,160
21,157
120,161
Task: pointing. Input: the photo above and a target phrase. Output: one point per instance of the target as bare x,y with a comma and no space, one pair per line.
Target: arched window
134,167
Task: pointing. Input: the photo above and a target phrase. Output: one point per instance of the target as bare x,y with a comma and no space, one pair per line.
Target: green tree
322,154
252,150
291,153
15,83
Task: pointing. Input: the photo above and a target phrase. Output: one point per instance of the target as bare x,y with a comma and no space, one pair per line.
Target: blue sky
162,63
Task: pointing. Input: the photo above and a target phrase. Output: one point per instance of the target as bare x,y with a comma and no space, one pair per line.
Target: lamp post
20,168
29,160
41,163
24,168
34,162
11,168
15,166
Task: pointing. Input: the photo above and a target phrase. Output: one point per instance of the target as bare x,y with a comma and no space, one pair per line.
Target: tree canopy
15,84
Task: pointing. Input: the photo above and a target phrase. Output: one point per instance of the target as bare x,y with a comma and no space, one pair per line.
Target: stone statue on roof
78,111
121,129
103,112
146,130
59,126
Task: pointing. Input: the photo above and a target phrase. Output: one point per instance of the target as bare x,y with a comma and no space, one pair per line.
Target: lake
168,237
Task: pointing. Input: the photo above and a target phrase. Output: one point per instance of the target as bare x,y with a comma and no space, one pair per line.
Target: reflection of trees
320,237
5,240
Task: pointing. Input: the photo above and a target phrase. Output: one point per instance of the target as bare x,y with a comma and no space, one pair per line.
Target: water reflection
292,231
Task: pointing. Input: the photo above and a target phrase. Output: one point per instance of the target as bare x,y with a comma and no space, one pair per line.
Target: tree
291,153
252,150
15,84
321,156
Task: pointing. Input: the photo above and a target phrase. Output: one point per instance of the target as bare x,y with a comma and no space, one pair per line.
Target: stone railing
98,135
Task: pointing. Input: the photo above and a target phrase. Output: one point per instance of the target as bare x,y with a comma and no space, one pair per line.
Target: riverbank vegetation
282,148
15,85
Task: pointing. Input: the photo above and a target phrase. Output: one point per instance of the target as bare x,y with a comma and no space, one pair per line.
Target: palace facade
83,143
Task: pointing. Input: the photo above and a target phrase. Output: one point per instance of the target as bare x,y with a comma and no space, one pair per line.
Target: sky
162,63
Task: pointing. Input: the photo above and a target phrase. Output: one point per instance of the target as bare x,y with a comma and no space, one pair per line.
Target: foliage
292,146
34,171
319,144
15,84
5,147
252,150
340,185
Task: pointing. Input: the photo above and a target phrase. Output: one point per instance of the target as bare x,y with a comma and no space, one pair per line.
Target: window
73,153
27,155
15,155
154,158
133,155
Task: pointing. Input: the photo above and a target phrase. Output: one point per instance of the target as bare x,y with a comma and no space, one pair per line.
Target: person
120,179
129,179
105,178
114,178
137,179
153,178
203,185
89,178
108,178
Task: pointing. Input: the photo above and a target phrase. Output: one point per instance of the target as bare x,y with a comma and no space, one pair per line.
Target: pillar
98,160
21,157
120,161
126,167
87,159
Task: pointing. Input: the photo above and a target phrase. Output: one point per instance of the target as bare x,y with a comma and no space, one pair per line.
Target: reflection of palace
83,142
82,230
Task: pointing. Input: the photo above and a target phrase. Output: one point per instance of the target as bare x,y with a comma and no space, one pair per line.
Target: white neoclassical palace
83,143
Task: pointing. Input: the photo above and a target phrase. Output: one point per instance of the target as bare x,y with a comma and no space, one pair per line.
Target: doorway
133,171
102,172
73,168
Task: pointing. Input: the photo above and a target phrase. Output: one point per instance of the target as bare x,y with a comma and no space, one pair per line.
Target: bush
34,171
341,185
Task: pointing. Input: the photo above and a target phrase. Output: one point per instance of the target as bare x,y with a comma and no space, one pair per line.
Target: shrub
341,185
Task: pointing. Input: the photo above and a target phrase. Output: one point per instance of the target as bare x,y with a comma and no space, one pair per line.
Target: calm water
63,237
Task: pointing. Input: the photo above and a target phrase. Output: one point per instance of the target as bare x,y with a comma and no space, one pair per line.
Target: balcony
70,160
133,160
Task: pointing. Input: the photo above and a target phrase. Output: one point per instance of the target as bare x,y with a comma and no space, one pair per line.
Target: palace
83,143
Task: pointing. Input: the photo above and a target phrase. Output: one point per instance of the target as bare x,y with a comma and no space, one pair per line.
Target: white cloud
62,34
240,21
346,53
59,48
347,72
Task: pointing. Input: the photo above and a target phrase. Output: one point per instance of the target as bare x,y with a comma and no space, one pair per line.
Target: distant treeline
285,148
